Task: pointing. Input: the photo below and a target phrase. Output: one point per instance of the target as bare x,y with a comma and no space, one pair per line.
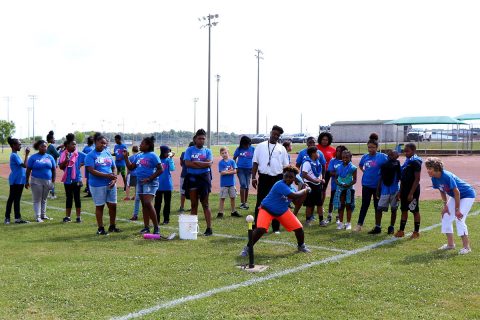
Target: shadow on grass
429,257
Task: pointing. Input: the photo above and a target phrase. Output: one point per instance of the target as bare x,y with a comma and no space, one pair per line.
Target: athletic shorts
387,200
288,220
228,192
314,197
244,176
148,187
121,170
410,206
102,195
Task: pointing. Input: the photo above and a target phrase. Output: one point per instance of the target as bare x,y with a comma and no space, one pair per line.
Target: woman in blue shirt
70,162
102,183
87,149
198,181
370,165
244,157
16,179
165,184
41,166
458,198
54,152
147,167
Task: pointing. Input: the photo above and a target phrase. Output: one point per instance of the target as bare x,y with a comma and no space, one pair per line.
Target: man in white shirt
269,159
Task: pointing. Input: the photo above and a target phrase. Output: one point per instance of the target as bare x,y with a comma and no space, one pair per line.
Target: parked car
419,135
299,138
259,138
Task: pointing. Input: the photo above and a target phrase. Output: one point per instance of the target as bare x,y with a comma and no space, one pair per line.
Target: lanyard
270,153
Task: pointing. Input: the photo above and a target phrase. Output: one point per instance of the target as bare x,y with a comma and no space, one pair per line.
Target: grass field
64,271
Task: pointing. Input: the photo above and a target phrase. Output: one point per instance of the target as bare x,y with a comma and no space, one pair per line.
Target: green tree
7,129
79,137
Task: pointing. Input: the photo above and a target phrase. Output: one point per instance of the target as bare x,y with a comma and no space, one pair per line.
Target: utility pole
195,100
33,98
258,56
218,81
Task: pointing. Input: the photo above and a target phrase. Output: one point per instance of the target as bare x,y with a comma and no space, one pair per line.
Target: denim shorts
101,195
147,188
244,176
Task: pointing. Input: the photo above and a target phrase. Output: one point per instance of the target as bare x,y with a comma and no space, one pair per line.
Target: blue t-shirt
87,149
371,168
100,161
276,202
391,189
345,173
448,182
146,164
303,155
244,157
332,167
165,178
119,158
17,174
41,166
78,163
194,154
132,158
227,180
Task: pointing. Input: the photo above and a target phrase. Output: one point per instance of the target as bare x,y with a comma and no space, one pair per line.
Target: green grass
64,271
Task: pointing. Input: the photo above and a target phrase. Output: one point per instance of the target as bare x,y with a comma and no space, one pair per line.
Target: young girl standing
346,177
244,157
370,165
165,186
16,179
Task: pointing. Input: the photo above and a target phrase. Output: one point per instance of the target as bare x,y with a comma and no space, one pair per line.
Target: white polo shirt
271,158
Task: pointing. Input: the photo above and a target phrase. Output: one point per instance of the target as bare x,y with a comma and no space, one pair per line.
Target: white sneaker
277,232
348,226
464,251
339,225
357,228
446,247
39,220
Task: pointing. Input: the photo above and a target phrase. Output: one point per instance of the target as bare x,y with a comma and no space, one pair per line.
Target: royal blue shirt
165,178
78,163
87,149
276,202
41,166
119,158
227,180
132,158
449,181
303,155
371,168
244,157
146,164
17,171
100,161
194,154
332,167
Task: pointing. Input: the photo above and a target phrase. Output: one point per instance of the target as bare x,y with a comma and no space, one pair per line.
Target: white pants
447,219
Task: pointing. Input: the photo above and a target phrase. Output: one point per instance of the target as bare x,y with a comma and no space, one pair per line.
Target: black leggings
265,184
367,194
72,191
14,198
167,195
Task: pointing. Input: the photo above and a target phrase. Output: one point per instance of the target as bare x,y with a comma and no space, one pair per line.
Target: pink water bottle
151,236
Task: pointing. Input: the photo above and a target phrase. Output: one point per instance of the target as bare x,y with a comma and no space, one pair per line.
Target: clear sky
137,65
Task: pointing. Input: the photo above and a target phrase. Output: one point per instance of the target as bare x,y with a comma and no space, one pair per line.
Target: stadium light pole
218,81
33,98
258,56
195,100
7,99
210,22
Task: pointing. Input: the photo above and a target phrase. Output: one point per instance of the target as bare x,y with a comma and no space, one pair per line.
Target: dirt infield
466,167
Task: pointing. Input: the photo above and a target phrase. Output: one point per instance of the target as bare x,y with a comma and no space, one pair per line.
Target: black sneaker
329,219
67,219
101,232
156,230
391,230
78,220
220,215
236,214
113,228
89,195
166,222
7,221
20,221
208,232
145,230
375,230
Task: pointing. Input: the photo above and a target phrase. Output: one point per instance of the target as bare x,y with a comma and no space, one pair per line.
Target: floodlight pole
33,98
218,135
195,100
258,56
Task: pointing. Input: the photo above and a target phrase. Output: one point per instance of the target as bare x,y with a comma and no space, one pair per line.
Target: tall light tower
195,100
33,98
218,81
210,22
7,100
258,56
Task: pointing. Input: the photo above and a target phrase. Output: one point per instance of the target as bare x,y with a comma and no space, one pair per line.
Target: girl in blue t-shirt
458,198
370,165
16,179
148,167
70,162
332,169
244,157
102,182
198,181
87,149
165,184
41,166
345,179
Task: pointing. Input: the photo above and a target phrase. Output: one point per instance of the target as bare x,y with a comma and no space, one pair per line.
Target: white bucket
188,226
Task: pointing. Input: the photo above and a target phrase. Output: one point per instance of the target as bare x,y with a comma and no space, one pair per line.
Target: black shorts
412,206
314,198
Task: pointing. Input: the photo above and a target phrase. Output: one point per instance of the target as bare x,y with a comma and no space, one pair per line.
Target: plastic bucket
188,227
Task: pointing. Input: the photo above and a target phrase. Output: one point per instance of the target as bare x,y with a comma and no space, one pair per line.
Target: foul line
274,275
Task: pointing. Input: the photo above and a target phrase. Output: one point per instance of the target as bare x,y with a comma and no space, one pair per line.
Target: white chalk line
228,236
274,275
